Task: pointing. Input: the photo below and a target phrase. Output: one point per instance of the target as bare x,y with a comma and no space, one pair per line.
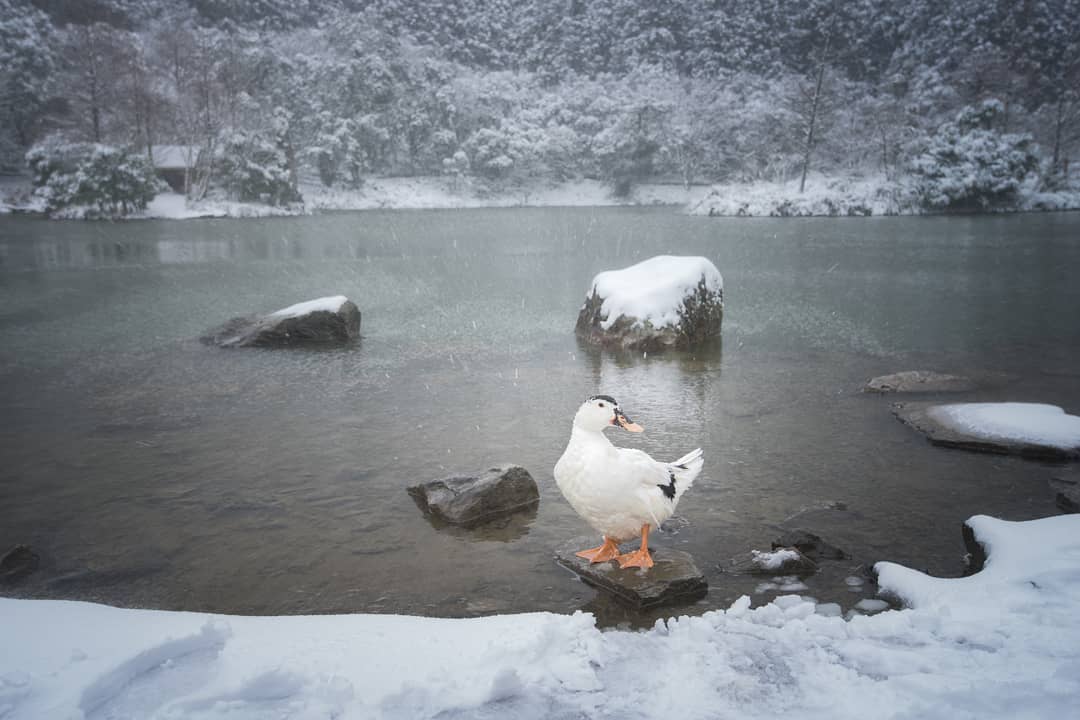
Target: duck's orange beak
626,423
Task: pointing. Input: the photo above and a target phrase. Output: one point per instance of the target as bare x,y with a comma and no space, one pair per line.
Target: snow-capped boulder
918,381
663,302
1028,429
674,579
331,320
476,499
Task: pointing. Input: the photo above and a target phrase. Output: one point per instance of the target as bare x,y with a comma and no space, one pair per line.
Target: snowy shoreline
824,197
1004,642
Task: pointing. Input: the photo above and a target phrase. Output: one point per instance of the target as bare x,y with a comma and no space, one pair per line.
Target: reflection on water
148,469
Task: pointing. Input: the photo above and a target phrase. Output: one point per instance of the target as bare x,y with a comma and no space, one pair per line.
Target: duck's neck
580,435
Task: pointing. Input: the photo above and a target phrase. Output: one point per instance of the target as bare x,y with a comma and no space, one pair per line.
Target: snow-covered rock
781,561
333,320
474,499
1029,429
673,580
665,301
918,381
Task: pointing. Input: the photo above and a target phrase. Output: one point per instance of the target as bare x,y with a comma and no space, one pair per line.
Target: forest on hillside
268,94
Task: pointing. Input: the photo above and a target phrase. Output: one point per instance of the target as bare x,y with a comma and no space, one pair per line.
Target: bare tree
812,105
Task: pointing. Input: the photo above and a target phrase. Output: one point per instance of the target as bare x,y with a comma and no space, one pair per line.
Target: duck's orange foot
608,551
638,558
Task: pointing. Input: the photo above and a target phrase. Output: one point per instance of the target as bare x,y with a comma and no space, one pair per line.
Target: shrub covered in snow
91,180
253,167
969,165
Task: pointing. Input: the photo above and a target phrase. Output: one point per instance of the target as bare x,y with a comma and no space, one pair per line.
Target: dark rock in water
472,500
327,321
751,563
919,381
976,553
921,417
1068,493
674,579
700,312
17,563
810,545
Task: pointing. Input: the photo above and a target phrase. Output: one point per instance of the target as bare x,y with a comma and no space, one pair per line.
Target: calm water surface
149,470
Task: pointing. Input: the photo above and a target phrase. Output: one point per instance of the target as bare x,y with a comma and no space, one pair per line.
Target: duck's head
600,411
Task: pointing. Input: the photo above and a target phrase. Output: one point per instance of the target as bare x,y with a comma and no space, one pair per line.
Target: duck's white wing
641,467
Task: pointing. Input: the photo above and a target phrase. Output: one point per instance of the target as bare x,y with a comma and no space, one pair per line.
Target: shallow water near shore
149,470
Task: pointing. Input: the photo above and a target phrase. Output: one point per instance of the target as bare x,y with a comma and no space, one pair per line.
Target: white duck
619,491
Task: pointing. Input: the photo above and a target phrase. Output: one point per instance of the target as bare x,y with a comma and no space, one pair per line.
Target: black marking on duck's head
610,399
669,489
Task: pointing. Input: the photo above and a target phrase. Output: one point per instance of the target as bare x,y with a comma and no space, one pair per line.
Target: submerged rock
1068,493
663,302
674,579
1041,432
17,563
324,321
475,499
810,545
919,381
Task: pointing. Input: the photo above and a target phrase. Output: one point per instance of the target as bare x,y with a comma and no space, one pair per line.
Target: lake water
150,470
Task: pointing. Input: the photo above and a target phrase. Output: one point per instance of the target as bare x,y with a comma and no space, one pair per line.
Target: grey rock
700,319
17,563
920,417
919,381
976,553
475,499
810,545
320,327
1068,493
745,565
674,579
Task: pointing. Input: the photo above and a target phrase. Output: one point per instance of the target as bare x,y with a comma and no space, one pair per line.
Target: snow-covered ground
823,196
841,196
1004,643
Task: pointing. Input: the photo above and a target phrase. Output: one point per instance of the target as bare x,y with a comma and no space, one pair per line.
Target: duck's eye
602,405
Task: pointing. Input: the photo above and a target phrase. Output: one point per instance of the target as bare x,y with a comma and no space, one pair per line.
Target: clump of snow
331,304
844,196
175,206
1021,422
653,290
1004,643
773,560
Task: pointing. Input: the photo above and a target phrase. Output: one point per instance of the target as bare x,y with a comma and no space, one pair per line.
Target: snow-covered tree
94,179
970,165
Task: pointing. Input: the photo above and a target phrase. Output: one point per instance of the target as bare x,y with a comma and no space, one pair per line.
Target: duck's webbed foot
608,551
640,557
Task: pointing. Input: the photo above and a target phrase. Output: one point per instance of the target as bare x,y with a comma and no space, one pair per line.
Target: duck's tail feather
684,471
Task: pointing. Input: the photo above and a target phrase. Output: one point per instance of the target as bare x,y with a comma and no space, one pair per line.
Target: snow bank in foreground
654,289
1002,644
1023,422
